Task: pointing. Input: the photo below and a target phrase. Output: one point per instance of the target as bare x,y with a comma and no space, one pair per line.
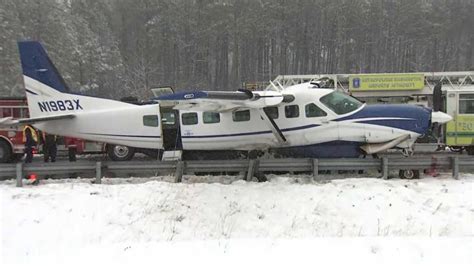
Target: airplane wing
9,121
220,101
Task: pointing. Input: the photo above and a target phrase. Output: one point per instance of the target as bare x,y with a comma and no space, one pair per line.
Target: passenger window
241,116
168,118
312,110
150,120
272,112
292,111
466,103
211,117
189,118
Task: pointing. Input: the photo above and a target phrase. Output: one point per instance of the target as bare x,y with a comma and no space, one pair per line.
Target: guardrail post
178,177
315,169
19,174
251,170
98,173
385,168
455,166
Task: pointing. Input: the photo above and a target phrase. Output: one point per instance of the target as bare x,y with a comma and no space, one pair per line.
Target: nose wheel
410,173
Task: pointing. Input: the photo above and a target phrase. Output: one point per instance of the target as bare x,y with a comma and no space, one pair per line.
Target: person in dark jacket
50,147
72,149
30,140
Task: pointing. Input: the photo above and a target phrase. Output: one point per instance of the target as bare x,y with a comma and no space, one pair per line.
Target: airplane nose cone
440,117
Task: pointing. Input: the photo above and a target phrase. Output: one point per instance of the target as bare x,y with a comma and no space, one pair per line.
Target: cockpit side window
340,103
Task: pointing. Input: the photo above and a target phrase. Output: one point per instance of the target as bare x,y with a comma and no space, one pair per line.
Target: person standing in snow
50,147
30,139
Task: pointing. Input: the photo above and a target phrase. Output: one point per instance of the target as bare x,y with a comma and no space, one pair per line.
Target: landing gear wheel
120,152
5,152
457,149
409,174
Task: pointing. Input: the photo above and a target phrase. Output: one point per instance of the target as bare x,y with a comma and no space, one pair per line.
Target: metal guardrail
247,167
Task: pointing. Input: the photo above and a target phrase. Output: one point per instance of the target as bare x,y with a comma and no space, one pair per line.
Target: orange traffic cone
34,179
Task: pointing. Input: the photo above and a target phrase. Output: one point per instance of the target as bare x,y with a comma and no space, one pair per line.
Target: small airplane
298,121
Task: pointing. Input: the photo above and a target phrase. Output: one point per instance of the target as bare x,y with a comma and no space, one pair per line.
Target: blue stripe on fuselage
406,117
402,116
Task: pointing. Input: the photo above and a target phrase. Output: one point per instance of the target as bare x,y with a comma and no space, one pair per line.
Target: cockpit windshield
340,103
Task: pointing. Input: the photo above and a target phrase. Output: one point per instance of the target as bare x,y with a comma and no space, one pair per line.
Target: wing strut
272,125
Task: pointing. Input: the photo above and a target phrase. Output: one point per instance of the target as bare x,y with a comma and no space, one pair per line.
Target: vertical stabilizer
46,91
36,65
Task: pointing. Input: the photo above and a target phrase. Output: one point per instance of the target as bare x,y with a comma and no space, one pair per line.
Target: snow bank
72,221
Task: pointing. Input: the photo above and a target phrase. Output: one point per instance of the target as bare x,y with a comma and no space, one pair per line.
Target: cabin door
170,129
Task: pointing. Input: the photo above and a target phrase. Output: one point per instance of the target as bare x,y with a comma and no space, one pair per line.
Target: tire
409,174
470,150
455,149
5,152
120,152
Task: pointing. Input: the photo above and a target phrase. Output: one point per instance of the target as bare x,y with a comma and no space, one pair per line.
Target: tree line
113,48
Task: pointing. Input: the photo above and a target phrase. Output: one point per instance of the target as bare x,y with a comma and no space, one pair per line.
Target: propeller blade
437,98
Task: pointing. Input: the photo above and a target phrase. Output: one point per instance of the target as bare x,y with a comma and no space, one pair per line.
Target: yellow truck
459,103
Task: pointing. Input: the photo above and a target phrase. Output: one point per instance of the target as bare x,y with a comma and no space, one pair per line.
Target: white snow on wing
213,103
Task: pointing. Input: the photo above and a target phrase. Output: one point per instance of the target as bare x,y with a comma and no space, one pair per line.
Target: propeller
437,98
437,103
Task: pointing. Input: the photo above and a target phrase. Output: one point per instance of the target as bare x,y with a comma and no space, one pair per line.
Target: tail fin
36,65
46,91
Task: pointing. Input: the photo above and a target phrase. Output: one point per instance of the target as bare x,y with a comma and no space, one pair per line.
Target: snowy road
425,221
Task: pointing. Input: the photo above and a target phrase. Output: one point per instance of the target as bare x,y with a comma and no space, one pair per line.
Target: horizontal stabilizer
45,118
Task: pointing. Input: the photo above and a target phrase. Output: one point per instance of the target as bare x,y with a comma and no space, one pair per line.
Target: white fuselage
122,123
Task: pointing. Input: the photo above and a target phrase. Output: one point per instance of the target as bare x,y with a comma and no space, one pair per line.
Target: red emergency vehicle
11,139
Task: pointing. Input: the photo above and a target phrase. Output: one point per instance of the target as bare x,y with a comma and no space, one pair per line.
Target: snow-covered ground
288,220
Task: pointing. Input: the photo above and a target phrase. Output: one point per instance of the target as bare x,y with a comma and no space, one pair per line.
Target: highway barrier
247,168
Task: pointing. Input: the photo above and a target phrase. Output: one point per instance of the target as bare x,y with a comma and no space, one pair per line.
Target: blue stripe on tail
37,65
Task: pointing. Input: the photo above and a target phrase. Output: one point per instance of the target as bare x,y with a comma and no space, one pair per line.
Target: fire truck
11,139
